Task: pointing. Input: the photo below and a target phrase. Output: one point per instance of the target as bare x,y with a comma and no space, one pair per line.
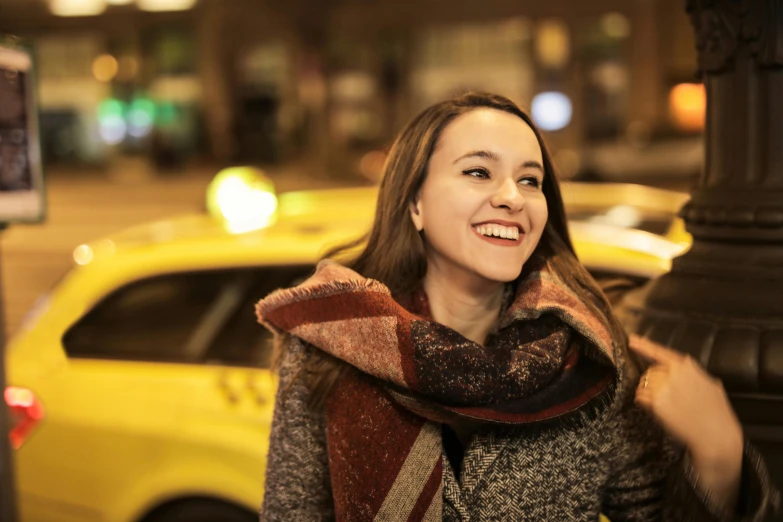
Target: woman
465,366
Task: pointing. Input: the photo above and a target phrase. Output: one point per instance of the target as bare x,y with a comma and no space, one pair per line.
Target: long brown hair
393,251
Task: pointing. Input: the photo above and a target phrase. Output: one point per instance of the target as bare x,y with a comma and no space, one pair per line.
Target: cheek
447,208
538,213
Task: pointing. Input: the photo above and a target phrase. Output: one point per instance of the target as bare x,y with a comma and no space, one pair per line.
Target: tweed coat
619,464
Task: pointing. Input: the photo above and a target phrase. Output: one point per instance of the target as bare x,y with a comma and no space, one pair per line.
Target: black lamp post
722,302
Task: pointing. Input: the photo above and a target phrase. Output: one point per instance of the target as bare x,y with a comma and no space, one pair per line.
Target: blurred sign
21,177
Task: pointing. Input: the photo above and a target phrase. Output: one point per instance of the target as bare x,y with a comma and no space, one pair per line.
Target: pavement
86,205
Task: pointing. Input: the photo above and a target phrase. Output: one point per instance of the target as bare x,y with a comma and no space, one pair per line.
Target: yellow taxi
140,386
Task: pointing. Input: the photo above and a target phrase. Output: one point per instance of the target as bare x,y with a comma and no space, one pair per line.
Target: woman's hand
694,409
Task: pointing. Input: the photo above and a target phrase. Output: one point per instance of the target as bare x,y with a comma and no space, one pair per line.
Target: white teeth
498,231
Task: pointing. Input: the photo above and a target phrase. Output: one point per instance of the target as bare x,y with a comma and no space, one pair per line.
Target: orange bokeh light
687,106
105,68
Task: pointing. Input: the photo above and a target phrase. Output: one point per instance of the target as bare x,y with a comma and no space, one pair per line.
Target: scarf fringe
317,290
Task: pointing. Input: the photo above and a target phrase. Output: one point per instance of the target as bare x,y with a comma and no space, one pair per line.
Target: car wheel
200,510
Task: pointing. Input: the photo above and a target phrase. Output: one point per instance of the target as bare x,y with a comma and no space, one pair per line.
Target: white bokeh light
551,110
77,7
140,123
245,208
165,5
112,129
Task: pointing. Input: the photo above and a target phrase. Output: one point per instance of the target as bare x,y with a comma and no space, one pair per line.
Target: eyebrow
484,154
494,156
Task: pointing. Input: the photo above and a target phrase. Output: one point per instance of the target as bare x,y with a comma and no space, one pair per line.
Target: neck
470,309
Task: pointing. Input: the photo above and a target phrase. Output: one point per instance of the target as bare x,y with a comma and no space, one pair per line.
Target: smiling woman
466,366
486,173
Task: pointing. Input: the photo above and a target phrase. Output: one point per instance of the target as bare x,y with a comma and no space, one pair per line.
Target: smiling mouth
493,230
489,234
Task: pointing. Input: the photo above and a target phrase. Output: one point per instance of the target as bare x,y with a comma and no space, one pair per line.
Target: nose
508,196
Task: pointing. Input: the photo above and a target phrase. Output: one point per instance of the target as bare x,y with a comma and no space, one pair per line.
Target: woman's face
481,206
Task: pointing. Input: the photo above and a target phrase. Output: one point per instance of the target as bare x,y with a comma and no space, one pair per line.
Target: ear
416,216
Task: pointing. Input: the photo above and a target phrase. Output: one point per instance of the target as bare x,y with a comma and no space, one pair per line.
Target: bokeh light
166,113
687,106
128,68
112,127
552,43
112,130
111,107
77,7
243,197
141,117
551,110
104,68
615,25
165,5
82,255
612,77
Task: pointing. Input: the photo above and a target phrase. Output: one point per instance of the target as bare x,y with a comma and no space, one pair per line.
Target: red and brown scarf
549,357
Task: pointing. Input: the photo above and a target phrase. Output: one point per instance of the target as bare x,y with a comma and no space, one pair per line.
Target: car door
152,403
229,413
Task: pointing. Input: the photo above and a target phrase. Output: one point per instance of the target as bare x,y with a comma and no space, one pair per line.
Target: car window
178,318
151,319
242,341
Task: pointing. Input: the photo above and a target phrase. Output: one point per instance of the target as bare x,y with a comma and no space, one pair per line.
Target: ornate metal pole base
722,302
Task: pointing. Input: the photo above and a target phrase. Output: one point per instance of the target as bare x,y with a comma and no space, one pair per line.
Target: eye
530,181
479,173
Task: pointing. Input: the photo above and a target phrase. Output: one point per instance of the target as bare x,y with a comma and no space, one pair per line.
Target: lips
501,222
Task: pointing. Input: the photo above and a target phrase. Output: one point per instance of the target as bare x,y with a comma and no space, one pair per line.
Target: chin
500,274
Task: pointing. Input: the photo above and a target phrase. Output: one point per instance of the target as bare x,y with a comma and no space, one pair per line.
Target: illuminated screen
21,183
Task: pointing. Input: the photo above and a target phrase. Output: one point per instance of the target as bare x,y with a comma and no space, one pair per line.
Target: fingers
654,352
650,385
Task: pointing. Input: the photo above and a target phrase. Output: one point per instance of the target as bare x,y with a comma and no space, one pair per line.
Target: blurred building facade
330,82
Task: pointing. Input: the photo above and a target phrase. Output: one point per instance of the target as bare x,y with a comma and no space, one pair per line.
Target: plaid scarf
549,357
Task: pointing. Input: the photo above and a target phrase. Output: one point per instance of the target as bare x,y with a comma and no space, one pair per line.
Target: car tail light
26,412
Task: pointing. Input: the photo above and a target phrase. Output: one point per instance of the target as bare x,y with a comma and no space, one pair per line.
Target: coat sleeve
652,479
297,484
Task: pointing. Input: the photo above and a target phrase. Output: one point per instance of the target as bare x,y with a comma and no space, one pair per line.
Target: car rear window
194,317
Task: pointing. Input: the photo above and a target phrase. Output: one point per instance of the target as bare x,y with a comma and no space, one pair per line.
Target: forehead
489,129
